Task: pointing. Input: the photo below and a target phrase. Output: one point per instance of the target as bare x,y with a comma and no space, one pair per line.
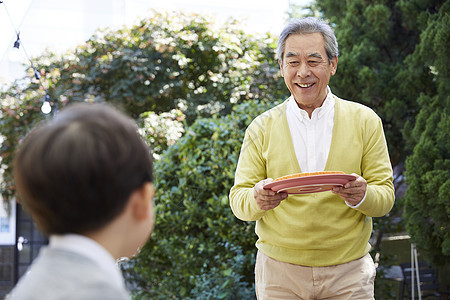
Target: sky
62,24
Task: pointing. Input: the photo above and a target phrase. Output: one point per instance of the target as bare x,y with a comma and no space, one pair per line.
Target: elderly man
313,246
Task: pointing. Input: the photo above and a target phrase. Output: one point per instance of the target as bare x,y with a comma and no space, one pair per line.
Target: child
85,177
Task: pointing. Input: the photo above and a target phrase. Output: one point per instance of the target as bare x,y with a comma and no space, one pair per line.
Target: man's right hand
267,199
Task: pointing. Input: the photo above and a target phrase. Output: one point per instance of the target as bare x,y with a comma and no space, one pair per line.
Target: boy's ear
141,200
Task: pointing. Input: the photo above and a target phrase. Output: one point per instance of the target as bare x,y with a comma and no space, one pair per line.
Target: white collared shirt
89,248
312,136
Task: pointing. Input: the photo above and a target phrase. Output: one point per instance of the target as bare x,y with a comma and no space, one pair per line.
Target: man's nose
303,71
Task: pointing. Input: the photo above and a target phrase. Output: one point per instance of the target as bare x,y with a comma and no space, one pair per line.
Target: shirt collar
89,248
319,112
326,105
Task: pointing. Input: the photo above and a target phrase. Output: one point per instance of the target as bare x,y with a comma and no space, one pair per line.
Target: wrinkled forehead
305,42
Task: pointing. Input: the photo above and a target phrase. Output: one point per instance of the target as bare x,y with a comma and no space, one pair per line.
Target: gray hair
305,26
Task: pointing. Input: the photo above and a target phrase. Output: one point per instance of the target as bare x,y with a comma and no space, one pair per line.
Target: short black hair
75,173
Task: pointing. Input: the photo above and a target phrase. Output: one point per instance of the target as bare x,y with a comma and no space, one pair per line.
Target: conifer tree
426,203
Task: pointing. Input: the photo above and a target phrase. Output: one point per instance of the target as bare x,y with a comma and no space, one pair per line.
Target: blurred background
193,74
60,25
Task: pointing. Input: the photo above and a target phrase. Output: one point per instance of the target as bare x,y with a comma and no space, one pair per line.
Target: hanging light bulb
14,53
46,108
17,42
37,75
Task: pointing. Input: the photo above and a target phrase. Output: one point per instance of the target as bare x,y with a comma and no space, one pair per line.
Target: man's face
306,69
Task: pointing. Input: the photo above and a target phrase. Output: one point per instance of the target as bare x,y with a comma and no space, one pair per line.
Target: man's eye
293,63
314,62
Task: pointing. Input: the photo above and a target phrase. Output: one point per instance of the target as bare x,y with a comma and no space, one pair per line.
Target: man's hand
267,199
352,192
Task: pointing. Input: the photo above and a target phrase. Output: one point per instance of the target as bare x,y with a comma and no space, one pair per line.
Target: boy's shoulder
58,274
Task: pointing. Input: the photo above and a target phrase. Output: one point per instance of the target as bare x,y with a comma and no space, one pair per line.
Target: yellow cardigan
315,229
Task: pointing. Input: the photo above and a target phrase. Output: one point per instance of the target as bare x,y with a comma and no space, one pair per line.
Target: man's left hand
352,192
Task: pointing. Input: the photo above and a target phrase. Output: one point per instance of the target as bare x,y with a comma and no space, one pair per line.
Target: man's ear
281,67
334,63
141,200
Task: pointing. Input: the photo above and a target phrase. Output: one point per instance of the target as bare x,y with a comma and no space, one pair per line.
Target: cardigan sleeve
250,170
376,170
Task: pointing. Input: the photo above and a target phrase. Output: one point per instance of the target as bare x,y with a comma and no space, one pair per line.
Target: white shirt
312,136
89,248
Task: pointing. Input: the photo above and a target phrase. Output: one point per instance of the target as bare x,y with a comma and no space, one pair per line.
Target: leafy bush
161,131
20,110
226,281
168,61
196,235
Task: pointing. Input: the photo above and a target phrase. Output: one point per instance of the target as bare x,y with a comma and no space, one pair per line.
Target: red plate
309,184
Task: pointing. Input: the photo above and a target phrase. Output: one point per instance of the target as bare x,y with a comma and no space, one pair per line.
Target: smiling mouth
305,85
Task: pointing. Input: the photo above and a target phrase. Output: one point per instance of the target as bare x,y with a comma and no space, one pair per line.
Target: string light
37,75
46,107
17,42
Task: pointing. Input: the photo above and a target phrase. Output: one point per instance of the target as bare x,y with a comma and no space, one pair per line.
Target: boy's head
76,173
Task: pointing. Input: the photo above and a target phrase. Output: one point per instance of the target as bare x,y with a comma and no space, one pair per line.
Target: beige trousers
280,280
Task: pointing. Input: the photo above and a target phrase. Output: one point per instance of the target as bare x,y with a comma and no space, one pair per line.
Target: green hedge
199,249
